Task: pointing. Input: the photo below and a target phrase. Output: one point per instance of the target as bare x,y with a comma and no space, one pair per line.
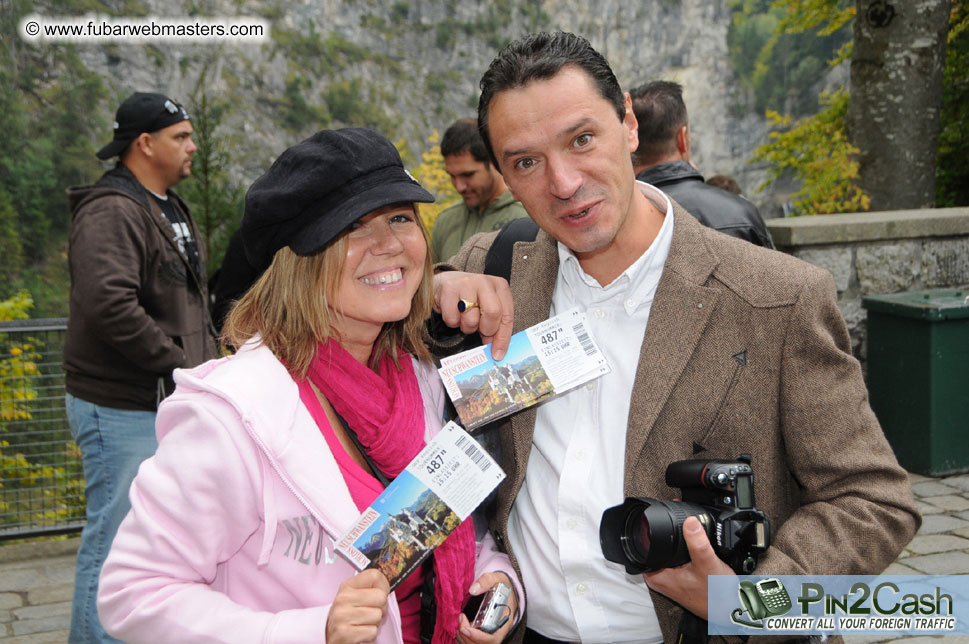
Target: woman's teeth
386,278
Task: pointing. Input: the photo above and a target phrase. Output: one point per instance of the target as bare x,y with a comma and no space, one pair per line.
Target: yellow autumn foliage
816,151
431,174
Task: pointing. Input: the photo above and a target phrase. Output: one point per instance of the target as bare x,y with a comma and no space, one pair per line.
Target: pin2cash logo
865,607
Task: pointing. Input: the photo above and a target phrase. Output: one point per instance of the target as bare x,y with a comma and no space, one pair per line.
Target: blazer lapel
680,312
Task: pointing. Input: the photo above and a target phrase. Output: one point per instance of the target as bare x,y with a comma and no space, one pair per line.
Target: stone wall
880,252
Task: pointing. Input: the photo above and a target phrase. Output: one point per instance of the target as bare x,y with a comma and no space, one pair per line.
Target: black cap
316,189
141,112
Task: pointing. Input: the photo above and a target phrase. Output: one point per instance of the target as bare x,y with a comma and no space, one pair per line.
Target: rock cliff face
411,66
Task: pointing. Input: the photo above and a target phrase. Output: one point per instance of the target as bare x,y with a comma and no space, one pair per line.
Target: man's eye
583,140
525,164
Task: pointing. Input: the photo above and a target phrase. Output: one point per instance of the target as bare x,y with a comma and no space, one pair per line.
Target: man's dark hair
463,136
661,112
724,182
540,57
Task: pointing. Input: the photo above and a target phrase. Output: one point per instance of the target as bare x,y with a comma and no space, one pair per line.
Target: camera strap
499,258
692,630
377,472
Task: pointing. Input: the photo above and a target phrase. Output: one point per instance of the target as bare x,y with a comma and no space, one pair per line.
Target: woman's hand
358,609
470,635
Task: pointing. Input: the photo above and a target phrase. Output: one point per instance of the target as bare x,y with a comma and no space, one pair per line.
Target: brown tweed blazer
745,351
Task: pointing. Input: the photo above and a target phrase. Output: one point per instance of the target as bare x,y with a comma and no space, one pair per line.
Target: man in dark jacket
663,160
137,312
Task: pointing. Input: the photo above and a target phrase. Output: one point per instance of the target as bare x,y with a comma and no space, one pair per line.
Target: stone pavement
36,579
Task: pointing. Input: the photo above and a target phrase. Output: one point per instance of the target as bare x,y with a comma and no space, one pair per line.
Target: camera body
486,612
645,534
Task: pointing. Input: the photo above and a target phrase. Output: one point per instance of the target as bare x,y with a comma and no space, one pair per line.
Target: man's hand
358,608
687,584
490,311
470,635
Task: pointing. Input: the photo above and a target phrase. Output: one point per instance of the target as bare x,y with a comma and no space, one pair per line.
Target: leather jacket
714,207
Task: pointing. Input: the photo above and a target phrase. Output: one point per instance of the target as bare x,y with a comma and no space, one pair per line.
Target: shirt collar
634,282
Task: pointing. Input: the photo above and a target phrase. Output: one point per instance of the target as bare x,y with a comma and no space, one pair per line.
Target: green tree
827,134
780,62
49,114
816,152
952,171
11,251
815,149
216,203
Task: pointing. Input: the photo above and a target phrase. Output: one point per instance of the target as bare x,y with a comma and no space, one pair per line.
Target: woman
266,457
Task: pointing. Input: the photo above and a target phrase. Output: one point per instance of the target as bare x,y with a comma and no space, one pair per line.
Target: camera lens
636,539
651,534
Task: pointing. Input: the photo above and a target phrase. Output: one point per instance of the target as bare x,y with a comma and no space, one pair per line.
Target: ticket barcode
584,339
471,449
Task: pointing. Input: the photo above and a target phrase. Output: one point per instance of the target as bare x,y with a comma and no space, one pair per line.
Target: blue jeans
113,444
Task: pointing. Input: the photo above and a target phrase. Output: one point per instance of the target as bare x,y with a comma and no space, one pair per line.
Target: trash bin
918,376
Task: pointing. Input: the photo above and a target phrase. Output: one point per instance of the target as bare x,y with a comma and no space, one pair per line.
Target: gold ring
466,305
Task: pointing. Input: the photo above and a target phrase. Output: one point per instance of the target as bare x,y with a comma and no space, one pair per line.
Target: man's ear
144,142
683,142
631,123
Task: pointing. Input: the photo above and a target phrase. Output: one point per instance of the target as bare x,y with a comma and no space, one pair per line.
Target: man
716,348
724,182
663,160
137,312
485,205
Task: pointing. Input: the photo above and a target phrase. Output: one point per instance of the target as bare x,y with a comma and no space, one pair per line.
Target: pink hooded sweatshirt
232,523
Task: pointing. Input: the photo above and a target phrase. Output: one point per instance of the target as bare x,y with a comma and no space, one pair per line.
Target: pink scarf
386,411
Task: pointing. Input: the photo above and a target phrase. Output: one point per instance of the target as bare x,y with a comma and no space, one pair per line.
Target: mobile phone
486,612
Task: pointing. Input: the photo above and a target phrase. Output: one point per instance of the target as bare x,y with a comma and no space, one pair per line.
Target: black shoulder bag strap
428,601
377,472
499,258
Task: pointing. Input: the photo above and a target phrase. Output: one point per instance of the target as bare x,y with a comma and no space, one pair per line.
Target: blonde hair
292,308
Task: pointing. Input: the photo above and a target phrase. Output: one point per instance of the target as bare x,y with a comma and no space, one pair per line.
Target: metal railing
41,475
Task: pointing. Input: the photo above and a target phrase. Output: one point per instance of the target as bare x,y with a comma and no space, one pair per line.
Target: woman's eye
401,218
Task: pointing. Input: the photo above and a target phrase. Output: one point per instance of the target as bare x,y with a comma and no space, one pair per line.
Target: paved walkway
36,580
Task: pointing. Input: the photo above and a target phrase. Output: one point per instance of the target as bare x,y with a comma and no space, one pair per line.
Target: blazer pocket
740,359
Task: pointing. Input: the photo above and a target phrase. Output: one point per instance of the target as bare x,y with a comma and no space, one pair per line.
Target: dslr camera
646,534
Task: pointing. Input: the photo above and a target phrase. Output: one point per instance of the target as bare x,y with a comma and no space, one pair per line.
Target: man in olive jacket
716,348
137,312
485,205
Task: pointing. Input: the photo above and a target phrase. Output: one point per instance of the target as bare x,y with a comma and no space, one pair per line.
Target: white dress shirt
576,466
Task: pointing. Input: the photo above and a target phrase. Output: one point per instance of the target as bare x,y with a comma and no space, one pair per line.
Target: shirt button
572,524
591,385
579,454
599,313
581,588
631,303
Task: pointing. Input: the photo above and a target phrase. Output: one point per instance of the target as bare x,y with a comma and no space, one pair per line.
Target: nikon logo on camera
839,604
